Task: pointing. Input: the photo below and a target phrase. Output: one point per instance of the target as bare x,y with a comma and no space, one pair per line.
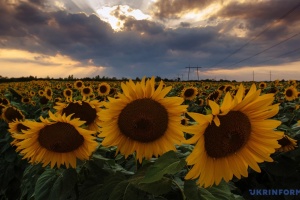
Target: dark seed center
143,120
78,84
103,88
49,93
68,93
213,96
289,93
284,141
84,112
86,90
60,137
232,134
189,92
21,127
12,114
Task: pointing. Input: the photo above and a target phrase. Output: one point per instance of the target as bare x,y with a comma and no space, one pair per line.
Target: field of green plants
69,140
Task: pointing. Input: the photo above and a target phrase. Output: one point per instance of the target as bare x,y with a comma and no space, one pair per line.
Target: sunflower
238,137
41,92
290,93
143,120
48,93
276,82
25,100
58,86
214,96
43,100
58,140
84,110
4,101
103,89
68,93
189,93
262,85
228,88
201,102
32,93
17,126
11,113
113,92
86,92
287,144
184,120
273,89
79,84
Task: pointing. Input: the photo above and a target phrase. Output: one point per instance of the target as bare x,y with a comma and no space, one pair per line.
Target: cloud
149,47
165,9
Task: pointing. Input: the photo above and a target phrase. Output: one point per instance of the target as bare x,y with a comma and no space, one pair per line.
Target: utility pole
253,76
270,76
190,70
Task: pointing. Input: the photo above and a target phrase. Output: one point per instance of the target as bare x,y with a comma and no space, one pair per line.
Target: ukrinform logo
285,192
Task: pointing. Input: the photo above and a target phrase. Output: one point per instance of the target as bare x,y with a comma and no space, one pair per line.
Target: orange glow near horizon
18,63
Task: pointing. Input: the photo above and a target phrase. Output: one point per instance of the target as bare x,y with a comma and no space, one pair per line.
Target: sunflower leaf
160,187
168,163
44,184
97,186
52,185
125,190
221,191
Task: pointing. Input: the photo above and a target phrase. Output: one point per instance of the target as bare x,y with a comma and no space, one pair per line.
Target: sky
240,40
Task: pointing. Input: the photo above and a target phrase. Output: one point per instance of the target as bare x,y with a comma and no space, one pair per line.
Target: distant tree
157,79
137,79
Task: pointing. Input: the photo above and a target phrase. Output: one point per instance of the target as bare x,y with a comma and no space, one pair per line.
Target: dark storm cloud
145,26
165,9
146,47
256,16
29,14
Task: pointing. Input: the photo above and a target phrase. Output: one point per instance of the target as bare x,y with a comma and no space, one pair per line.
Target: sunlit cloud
18,63
116,15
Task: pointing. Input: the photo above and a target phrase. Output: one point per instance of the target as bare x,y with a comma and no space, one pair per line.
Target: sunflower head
103,89
48,93
17,126
189,93
11,113
58,140
68,94
79,84
262,85
287,144
41,92
236,134
84,110
142,120
86,92
25,100
4,101
44,100
290,93
214,96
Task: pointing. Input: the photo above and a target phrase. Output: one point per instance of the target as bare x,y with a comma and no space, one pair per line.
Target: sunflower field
92,140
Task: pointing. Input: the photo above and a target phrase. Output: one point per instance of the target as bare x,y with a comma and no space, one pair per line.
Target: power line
258,35
265,49
290,52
